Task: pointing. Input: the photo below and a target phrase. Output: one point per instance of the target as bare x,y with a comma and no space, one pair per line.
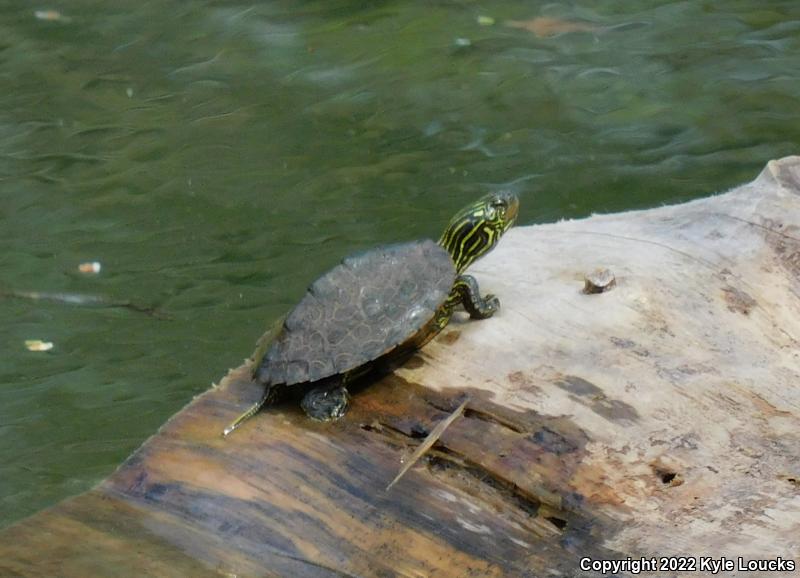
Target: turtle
375,308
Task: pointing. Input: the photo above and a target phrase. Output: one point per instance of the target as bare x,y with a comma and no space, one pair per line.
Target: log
659,416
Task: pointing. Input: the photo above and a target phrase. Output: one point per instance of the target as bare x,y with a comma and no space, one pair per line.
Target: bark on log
659,417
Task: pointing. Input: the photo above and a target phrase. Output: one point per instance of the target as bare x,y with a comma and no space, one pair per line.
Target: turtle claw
484,310
492,304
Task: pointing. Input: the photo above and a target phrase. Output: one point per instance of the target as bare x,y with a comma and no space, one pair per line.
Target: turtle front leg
466,292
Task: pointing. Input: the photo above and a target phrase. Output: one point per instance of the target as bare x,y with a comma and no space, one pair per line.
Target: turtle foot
325,403
484,309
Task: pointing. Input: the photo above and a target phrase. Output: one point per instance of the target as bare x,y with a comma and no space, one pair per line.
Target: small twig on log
432,438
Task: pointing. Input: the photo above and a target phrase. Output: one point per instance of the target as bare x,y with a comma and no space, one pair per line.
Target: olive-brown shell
359,311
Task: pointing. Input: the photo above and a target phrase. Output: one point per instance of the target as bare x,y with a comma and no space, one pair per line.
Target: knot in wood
599,281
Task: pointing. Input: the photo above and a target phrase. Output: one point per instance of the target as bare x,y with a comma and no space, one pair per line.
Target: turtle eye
499,206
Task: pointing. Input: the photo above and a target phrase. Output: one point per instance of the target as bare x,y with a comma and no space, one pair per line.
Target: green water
215,157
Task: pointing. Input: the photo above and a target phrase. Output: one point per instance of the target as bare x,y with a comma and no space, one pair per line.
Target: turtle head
475,230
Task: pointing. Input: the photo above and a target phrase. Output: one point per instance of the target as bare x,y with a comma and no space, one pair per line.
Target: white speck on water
93,267
38,345
51,16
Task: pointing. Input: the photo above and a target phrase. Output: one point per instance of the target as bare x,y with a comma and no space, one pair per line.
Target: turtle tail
269,395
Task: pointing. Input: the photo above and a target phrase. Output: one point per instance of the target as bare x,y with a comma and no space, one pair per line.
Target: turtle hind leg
326,403
466,292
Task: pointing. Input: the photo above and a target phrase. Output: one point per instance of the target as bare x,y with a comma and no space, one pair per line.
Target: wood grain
661,417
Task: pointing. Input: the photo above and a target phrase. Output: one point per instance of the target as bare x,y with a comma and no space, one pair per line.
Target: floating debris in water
92,267
84,300
50,16
485,20
463,42
38,345
545,27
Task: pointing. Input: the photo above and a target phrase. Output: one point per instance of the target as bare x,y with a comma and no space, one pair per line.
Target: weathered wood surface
660,417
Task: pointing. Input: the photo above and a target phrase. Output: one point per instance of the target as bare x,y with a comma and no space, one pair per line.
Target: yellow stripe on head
475,230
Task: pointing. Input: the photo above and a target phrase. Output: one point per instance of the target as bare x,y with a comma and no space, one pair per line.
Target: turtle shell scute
359,311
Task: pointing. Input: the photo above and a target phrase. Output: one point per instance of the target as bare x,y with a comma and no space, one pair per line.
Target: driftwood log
651,409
